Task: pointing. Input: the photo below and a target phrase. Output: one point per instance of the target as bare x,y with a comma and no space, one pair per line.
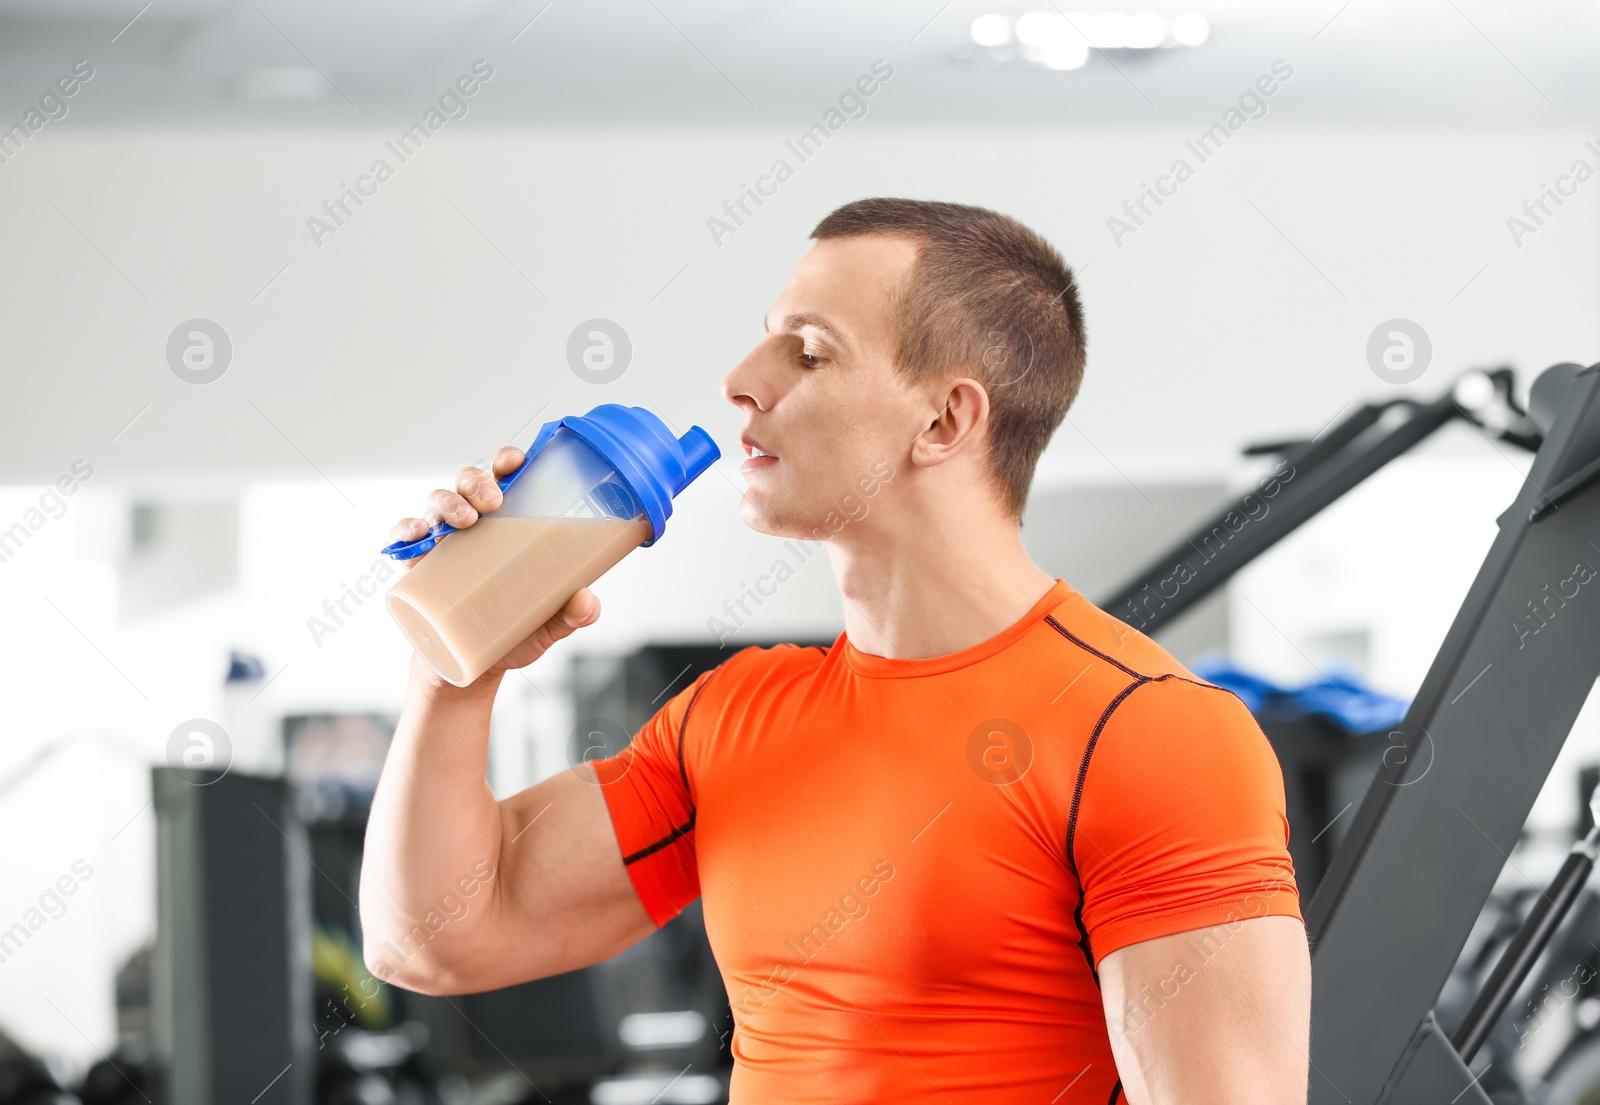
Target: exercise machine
1389,920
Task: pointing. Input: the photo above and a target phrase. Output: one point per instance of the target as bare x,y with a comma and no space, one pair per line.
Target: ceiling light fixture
1106,31
991,30
1060,40
1146,31
1191,29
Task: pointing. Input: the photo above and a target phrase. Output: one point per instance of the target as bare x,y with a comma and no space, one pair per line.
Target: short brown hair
990,298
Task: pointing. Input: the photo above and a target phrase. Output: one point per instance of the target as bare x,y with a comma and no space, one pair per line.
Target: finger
447,506
478,488
409,529
581,610
507,459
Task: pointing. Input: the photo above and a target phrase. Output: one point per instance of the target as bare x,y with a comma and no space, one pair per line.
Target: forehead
846,283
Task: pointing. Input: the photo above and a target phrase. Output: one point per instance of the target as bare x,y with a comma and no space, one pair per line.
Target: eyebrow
795,322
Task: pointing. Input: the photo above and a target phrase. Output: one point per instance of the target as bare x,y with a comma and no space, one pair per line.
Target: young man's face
821,396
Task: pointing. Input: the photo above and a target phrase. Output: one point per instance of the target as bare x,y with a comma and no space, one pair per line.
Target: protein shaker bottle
592,490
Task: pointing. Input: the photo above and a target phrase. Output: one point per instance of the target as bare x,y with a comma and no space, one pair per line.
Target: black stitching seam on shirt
1072,817
1077,798
683,729
652,849
1050,619
683,773
1069,635
1139,680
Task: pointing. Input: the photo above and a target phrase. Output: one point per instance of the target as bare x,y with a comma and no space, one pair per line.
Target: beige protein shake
593,488
508,577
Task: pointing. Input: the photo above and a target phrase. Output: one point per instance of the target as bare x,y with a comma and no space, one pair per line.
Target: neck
936,590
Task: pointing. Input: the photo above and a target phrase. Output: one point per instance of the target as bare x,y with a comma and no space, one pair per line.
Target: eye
810,360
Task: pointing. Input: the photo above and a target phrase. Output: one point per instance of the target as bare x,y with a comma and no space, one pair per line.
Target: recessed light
1063,40
1108,30
1068,52
1038,28
1146,31
991,30
1190,29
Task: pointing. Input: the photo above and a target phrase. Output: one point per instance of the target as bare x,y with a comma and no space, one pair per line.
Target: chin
769,518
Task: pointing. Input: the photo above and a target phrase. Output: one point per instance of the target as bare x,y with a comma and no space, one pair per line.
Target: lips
760,458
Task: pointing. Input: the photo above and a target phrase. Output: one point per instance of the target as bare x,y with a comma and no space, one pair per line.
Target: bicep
1214,1015
562,897
597,857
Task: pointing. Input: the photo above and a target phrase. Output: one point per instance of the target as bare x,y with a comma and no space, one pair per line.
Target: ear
960,419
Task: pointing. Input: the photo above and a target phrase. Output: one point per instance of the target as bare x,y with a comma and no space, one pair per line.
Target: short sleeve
1181,822
647,793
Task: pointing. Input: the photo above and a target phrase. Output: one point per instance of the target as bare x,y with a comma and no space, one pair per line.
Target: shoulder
763,670
1159,716
1179,742
751,691
1111,642
1174,698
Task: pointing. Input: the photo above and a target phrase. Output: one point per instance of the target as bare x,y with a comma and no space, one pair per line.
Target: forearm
433,832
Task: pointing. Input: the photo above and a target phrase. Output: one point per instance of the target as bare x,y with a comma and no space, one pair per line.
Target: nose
744,385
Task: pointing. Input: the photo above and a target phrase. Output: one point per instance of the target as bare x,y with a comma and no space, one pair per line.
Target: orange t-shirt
911,869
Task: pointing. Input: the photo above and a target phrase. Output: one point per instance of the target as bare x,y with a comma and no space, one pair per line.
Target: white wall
407,340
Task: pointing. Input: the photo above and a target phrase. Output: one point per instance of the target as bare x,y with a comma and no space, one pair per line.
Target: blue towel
1341,695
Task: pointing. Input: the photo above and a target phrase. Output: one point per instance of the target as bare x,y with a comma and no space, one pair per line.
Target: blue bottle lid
653,464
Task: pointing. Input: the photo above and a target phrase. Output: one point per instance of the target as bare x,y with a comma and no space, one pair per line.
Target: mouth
759,458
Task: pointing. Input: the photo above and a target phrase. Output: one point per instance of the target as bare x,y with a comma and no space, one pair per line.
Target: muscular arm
461,893
1212,1017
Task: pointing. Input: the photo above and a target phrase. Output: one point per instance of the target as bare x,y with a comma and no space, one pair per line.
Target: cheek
843,449
880,427
843,426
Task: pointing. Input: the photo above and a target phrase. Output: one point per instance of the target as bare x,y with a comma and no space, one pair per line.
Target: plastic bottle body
564,522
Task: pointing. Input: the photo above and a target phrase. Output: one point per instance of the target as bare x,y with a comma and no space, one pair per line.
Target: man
992,846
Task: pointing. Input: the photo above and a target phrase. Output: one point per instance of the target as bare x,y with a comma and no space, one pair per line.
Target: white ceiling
720,63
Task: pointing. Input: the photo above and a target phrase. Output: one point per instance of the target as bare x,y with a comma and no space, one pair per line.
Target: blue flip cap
653,464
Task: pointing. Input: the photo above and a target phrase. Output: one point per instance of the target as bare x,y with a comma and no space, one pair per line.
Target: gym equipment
28,1081
1450,799
1559,1008
125,1077
361,1067
1549,910
231,981
1311,475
